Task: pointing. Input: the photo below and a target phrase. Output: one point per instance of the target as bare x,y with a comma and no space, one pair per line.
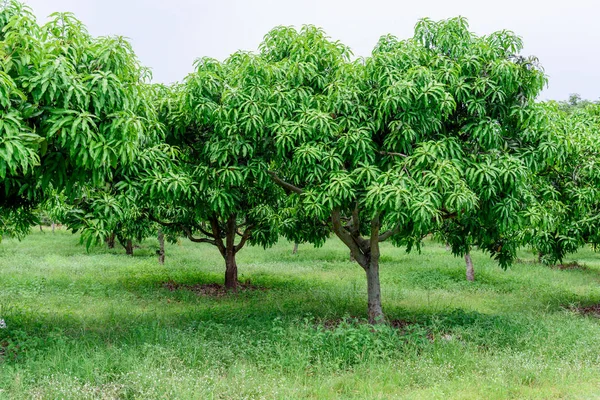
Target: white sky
169,35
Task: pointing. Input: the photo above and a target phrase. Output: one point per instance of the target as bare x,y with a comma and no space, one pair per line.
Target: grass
100,325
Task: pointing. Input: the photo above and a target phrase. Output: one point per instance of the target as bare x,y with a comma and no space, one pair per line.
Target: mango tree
566,212
434,128
216,191
72,107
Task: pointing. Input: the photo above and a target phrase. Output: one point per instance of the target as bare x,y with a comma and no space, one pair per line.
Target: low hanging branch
214,223
389,153
205,232
189,235
353,243
245,236
285,185
163,223
187,231
387,234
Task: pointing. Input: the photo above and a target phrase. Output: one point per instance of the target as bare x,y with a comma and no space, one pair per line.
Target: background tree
216,191
566,213
574,103
101,214
118,211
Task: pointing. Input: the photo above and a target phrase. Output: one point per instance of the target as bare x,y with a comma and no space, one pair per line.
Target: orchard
432,147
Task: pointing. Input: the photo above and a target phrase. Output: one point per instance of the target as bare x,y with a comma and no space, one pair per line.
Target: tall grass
102,325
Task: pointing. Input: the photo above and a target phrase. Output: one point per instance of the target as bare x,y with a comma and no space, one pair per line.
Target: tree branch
186,230
375,227
347,238
201,240
355,224
205,232
246,235
389,153
230,228
214,223
189,235
449,215
387,234
285,185
167,224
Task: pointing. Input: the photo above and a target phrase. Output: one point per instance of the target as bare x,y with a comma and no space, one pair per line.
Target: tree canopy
565,215
436,134
72,107
439,127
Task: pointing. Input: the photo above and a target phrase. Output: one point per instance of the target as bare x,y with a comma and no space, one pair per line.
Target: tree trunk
129,247
41,229
374,292
53,226
161,245
295,251
470,270
228,249
231,272
366,253
110,241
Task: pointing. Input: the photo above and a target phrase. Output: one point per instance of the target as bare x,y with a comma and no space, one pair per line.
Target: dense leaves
438,133
72,107
566,214
215,190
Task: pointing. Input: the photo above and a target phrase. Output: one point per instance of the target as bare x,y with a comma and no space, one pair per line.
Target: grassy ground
102,325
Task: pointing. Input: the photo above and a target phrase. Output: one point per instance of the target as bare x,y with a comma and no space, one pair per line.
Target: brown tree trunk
470,270
374,292
110,241
373,285
295,251
41,229
53,226
228,248
231,272
161,246
129,247
366,253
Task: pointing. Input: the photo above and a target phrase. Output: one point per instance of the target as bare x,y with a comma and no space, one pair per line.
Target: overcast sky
169,35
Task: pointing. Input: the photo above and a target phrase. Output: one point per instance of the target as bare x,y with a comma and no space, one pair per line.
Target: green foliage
102,213
72,106
212,122
436,133
565,215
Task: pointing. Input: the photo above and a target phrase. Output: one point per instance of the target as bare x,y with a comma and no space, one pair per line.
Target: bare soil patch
211,289
331,324
593,310
570,266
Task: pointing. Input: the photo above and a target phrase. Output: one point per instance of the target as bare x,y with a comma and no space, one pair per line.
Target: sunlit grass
101,325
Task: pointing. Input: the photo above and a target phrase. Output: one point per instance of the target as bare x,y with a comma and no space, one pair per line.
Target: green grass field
102,325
